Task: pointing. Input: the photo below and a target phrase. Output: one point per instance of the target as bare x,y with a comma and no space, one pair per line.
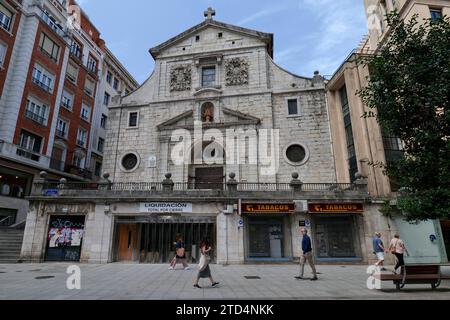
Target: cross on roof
210,13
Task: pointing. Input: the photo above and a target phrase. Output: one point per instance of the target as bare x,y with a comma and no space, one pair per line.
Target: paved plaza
155,282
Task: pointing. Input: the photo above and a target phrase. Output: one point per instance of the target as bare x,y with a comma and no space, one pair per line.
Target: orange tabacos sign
336,208
268,208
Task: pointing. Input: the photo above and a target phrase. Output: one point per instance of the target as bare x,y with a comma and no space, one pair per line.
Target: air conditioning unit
301,206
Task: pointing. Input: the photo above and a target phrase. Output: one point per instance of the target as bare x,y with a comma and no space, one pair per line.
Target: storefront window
334,237
14,183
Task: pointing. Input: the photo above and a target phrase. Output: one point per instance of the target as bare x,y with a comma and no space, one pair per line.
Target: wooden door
127,242
209,178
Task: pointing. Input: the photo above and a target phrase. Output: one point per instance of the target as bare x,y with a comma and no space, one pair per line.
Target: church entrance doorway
209,178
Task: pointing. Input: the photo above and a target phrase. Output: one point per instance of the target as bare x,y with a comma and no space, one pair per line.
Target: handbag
393,248
202,264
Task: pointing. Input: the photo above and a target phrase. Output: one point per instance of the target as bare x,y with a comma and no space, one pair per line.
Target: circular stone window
296,154
130,162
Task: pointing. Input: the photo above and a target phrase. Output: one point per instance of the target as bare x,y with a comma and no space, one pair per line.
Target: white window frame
137,120
67,125
32,141
38,108
87,90
82,161
103,122
67,94
44,77
299,113
103,145
11,20
69,76
89,111
80,135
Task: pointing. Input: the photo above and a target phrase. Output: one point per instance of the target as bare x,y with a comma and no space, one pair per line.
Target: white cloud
261,14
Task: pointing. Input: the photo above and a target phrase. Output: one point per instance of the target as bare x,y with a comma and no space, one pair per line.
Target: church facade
219,143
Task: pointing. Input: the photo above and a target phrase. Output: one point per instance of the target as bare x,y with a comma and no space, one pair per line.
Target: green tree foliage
409,94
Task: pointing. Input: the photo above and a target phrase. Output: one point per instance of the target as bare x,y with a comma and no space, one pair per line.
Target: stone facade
214,84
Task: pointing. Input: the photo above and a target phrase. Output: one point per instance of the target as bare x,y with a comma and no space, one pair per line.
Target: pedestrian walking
397,247
378,250
204,270
307,256
180,255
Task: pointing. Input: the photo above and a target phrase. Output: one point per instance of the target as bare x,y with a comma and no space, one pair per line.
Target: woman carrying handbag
204,270
397,247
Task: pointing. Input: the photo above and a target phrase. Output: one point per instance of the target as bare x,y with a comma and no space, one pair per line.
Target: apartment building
52,67
116,82
357,141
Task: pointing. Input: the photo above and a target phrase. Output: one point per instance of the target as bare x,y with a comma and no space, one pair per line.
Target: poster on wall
64,238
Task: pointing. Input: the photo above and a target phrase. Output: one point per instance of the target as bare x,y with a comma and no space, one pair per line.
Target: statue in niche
208,112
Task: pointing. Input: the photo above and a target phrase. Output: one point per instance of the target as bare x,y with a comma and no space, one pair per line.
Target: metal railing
263,186
42,85
27,154
50,21
35,117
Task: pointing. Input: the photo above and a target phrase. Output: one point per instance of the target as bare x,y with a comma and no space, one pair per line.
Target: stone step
9,251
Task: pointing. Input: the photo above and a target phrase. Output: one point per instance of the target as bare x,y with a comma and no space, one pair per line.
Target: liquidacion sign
166,207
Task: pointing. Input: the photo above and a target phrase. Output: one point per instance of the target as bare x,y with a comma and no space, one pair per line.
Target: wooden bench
416,274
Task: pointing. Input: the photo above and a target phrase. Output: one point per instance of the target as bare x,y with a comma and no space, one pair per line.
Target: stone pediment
232,118
266,38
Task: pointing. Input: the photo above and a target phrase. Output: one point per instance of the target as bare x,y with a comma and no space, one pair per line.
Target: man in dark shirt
307,256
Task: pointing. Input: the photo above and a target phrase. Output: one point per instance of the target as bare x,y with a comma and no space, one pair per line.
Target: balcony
50,21
231,190
81,172
42,85
89,92
66,105
92,68
28,154
76,53
61,133
20,154
5,26
35,117
81,143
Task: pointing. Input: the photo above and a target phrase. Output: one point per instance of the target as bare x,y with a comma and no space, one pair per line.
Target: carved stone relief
236,71
180,78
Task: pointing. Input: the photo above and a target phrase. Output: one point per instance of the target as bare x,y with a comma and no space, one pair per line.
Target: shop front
65,238
335,231
150,236
268,231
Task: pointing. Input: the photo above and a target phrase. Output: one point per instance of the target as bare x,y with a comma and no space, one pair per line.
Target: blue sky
309,35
